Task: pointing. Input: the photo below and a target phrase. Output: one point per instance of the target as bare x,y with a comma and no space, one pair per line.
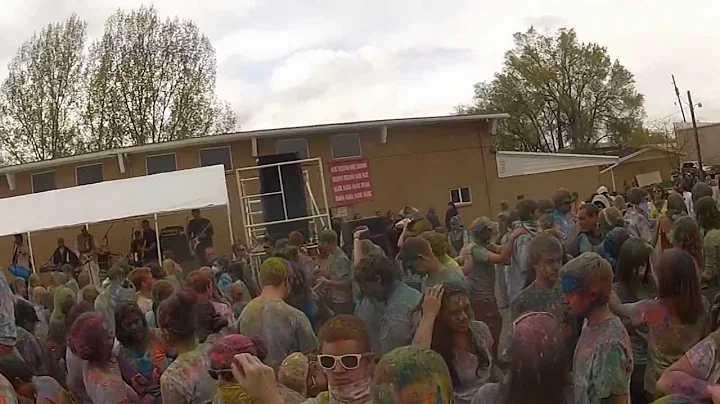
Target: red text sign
350,180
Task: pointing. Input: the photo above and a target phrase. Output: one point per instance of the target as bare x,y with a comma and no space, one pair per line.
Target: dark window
343,146
161,163
89,174
299,146
43,182
460,195
216,156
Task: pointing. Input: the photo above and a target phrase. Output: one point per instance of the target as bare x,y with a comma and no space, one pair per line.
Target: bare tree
39,98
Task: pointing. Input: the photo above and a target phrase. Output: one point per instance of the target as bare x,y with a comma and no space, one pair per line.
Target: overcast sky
287,63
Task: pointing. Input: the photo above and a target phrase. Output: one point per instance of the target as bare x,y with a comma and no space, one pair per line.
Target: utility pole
677,94
697,137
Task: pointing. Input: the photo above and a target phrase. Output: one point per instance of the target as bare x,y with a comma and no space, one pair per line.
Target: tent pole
232,236
612,175
32,256
157,238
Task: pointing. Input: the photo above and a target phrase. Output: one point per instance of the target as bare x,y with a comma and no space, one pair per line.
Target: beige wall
709,144
417,166
625,172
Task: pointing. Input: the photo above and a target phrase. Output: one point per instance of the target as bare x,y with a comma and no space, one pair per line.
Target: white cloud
295,62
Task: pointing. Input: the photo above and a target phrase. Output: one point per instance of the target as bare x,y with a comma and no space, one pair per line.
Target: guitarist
200,232
149,250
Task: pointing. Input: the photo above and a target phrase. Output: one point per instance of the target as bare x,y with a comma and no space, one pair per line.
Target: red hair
199,281
175,314
87,336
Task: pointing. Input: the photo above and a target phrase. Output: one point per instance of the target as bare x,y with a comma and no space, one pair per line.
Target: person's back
283,328
398,313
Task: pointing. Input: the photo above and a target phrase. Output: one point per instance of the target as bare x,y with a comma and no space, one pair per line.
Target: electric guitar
196,240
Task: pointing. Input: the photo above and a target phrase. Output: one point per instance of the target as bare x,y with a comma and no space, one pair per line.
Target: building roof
258,134
683,126
511,163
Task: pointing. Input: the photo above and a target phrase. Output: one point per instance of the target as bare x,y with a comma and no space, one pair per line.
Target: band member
85,243
150,251
21,257
200,232
64,255
87,253
136,246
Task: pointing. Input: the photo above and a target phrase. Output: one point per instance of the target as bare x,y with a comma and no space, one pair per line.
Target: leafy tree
560,92
39,98
152,80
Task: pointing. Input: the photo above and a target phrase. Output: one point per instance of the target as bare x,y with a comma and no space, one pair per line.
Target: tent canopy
111,200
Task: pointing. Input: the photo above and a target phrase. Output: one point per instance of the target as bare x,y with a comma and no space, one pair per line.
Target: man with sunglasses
346,360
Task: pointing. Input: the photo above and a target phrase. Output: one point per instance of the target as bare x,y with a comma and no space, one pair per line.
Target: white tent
112,200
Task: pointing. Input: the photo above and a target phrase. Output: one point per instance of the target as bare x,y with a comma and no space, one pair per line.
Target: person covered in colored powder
563,221
634,282
539,365
637,214
481,273
283,328
393,300
143,354
338,285
466,345
416,254
91,340
516,273
544,293
602,363
677,320
229,391
708,217
186,379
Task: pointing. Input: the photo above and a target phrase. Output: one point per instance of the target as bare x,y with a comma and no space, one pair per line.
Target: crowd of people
610,300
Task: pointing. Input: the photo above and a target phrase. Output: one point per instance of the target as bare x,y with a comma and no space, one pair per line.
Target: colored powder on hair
571,284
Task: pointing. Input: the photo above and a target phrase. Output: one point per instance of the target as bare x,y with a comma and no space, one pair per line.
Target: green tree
152,80
40,96
560,92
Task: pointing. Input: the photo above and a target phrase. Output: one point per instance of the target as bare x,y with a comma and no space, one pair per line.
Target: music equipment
173,238
377,229
196,240
293,190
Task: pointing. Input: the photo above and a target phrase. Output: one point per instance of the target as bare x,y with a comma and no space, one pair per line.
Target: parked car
694,166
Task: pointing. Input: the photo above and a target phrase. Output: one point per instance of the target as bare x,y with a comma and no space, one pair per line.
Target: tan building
646,165
708,136
419,162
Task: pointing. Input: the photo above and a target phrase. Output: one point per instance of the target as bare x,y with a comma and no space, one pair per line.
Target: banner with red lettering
350,180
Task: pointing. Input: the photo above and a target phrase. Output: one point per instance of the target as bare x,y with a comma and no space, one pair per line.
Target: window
461,196
215,156
89,174
161,163
344,146
42,182
299,146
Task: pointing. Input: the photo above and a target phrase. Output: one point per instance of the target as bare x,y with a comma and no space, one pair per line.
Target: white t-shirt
687,196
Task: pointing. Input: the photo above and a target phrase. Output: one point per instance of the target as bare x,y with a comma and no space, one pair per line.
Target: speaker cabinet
293,189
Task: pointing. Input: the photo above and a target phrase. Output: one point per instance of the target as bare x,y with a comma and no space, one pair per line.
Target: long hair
539,366
707,213
679,285
686,236
442,341
126,309
634,253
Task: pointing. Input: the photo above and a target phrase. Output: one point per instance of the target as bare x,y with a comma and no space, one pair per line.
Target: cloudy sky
298,62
